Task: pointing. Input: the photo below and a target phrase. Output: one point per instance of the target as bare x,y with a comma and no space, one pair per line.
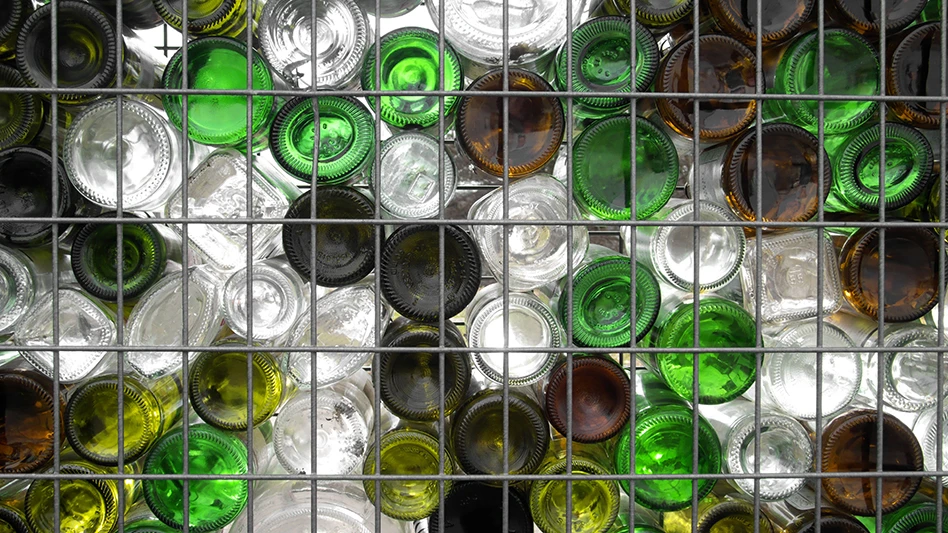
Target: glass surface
780,20
911,382
472,508
27,419
87,504
24,114
595,503
26,190
207,17
18,284
866,16
601,395
536,254
926,431
408,181
277,296
915,70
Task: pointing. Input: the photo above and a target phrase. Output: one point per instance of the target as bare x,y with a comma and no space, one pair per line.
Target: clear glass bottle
217,188
536,254
605,398
789,276
531,324
156,320
926,431
151,155
408,181
277,297
343,37
910,377
19,287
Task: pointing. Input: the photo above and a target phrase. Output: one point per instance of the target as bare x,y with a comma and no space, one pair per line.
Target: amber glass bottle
911,267
26,419
850,444
866,17
781,21
727,67
913,71
602,398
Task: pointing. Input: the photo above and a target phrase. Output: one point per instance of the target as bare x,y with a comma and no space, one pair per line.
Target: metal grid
601,229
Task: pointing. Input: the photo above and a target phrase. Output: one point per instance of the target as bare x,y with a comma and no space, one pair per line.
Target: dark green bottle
26,190
227,18
12,15
25,113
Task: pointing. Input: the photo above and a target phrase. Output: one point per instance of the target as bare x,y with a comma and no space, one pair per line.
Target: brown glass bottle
850,445
26,419
602,398
866,16
727,67
536,124
911,272
787,519
914,71
653,13
781,22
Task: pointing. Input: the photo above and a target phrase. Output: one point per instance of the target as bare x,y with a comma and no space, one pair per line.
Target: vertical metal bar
758,240
379,239
696,331
820,259
119,253
880,376
249,257
54,201
185,335
940,370
313,300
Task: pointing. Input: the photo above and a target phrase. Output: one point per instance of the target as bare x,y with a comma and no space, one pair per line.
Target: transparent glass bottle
19,287
410,174
606,398
27,418
472,508
910,377
536,254
926,431
343,37
26,190
27,112
277,297
218,189
151,155
531,324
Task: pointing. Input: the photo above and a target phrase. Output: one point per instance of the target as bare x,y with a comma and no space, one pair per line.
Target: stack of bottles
568,256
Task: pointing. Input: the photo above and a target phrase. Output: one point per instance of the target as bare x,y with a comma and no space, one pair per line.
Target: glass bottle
781,20
140,519
785,448
26,113
653,13
227,18
850,445
410,62
220,63
605,395
602,298
911,264
926,431
534,32
83,321
12,520
668,251
722,375
410,271
536,122
151,152
407,451
410,381
918,516
136,14
19,287
346,318
410,174
13,14
389,8
149,251
602,63
867,19
788,519
663,437
217,188
472,507
910,377
345,253
531,323
789,181
156,320
718,513
346,138
913,71
727,66
218,386
286,31
26,191
851,67
150,408
27,418
595,503
276,298
909,162
212,503
88,46
602,161
789,276
345,422
476,433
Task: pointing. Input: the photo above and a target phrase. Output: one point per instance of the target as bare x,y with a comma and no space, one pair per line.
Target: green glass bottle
722,376
851,67
652,13
602,63
602,166
908,173
601,302
663,445
220,63
346,138
24,114
150,409
224,18
913,518
407,451
212,503
146,250
12,15
218,387
595,503
410,63
931,12
12,520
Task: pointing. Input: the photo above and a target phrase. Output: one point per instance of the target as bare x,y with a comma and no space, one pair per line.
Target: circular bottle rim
24,276
733,453
656,17
393,41
288,282
29,105
581,466
859,23
134,393
896,84
901,339
726,509
12,518
452,395
206,25
106,489
66,206
558,378
272,381
916,517
81,257
19,11
590,137
413,211
731,21
43,396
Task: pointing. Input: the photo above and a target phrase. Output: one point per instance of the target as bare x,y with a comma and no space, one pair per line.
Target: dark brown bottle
782,20
536,124
602,398
727,67
26,419
865,16
914,71
850,444
911,267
